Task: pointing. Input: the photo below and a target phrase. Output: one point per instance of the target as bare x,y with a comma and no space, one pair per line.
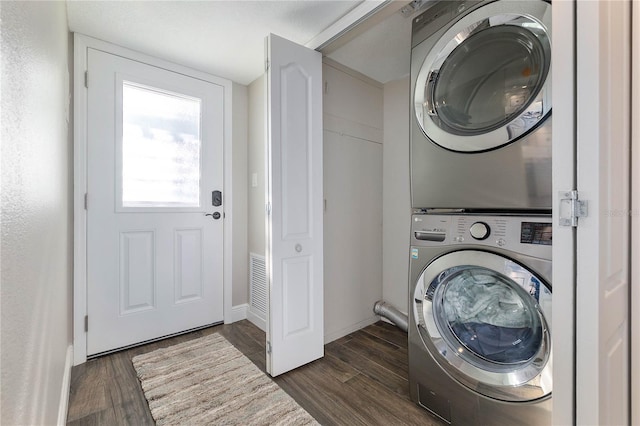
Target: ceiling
226,38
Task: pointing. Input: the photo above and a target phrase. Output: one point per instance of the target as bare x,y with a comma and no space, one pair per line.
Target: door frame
564,238
635,215
81,44
570,402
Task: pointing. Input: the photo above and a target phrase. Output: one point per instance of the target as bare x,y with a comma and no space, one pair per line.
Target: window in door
161,148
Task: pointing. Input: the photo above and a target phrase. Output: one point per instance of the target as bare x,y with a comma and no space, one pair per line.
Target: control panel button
479,231
501,242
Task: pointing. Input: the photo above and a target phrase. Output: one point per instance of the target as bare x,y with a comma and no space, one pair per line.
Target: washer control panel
530,235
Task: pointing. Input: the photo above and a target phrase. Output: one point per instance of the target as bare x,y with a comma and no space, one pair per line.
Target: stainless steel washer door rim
523,373
486,81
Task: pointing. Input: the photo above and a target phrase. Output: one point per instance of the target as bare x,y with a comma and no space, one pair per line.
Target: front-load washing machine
481,106
480,350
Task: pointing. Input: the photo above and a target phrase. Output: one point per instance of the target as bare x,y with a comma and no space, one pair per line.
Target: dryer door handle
429,92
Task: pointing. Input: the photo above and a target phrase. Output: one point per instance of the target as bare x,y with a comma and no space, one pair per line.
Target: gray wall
396,196
239,185
353,118
256,159
36,210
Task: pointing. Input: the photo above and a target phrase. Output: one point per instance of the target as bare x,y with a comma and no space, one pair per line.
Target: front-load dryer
480,347
481,106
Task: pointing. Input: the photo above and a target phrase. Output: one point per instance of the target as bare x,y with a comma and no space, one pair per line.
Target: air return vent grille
258,285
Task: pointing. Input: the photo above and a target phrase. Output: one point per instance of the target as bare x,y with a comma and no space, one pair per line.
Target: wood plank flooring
362,380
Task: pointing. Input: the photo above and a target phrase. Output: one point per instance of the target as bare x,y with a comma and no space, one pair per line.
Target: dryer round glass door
486,82
485,319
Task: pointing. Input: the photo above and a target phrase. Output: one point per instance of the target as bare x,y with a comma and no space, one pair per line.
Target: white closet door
295,329
603,154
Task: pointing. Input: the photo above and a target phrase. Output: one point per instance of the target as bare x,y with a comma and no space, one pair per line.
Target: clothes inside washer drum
476,295
490,314
498,344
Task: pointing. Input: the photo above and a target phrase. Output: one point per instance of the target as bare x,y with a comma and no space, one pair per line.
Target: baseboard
239,312
257,320
63,407
244,312
335,335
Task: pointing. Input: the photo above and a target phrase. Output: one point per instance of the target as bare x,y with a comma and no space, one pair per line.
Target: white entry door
294,258
154,210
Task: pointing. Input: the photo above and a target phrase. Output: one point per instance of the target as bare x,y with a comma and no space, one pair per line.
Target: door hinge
268,347
266,65
571,208
86,201
86,323
86,79
268,208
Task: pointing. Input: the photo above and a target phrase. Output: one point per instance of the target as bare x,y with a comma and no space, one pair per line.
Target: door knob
215,215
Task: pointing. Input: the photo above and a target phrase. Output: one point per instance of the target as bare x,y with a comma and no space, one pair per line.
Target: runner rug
209,381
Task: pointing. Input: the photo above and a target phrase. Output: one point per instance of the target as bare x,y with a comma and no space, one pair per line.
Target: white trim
227,198
238,313
351,72
388,321
80,188
342,126
81,44
635,216
355,16
257,319
335,335
563,248
63,407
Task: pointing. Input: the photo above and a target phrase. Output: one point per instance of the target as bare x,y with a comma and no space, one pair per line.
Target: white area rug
209,381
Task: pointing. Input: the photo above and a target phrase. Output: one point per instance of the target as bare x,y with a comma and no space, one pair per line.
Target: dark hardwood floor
362,380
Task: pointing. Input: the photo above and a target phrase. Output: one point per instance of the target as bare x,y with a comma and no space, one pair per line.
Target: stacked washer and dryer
480,348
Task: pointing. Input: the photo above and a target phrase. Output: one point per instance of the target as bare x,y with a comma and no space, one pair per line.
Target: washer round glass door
486,82
485,319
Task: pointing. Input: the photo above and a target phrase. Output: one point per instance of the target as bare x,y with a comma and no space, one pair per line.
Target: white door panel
154,260
295,329
602,292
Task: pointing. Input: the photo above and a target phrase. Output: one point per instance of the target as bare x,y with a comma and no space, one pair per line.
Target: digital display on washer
536,233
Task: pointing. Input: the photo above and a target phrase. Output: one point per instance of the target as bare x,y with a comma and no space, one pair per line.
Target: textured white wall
240,257
36,210
396,195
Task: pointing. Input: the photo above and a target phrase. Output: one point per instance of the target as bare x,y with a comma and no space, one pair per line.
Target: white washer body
480,348
481,106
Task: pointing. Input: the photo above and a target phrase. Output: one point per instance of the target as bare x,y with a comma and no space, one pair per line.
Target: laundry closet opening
365,169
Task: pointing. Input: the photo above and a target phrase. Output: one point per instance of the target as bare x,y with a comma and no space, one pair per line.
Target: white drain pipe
388,311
